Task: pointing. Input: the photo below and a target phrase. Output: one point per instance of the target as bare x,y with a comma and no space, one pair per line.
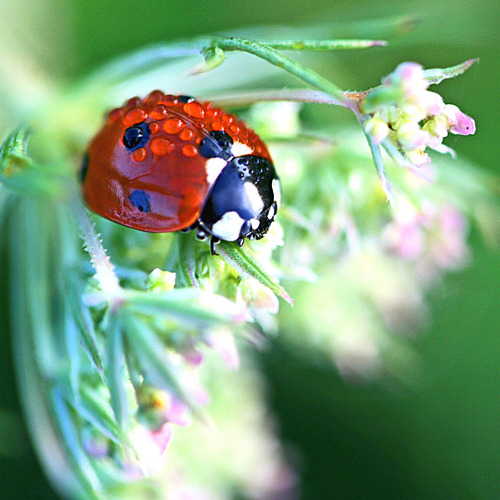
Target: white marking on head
240,149
271,213
213,167
276,191
228,227
255,223
254,197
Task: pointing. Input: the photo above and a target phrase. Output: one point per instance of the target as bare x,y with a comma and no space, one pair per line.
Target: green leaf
437,75
186,260
214,57
97,412
73,446
114,370
152,358
243,260
14,144
20,173
83,319
190,305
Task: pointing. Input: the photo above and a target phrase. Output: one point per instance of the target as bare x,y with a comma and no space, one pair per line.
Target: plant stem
105,273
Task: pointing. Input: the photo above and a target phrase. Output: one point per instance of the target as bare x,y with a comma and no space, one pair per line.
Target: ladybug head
243,200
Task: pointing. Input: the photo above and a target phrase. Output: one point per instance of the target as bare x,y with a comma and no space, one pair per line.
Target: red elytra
166,165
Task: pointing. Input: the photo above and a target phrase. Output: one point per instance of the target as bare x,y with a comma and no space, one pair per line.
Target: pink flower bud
223,343
432,103
411,136
418,157
459,123
410,79
377,129
437,127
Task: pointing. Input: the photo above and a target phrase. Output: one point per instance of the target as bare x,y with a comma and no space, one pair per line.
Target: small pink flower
377,129
459,123
176,412
222,342
149,446
409,77
411,136
433,103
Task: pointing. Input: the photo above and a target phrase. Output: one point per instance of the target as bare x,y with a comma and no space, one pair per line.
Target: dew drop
189,150
194,109
161,147
139,154
159,112
134,116
173,125
186,134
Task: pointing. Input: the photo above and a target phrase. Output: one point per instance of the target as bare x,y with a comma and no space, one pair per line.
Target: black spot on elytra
82,173
216,145
136,136
140,200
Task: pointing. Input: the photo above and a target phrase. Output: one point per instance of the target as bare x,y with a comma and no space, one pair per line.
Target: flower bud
160,281
377,129
409,78
432,103
458,122
437,126
418,157
411,136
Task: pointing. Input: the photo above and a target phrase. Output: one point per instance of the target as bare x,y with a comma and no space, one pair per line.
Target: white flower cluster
407,118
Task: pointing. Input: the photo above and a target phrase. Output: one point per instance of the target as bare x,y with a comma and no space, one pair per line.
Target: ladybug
168,163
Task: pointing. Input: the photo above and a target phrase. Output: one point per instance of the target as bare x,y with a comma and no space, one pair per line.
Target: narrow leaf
191,305
19,172
379,164
437,75
14,143
97,411
243,260
114,370
152,358
73,446
84,321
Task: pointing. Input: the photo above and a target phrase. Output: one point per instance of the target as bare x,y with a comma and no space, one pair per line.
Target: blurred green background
438,440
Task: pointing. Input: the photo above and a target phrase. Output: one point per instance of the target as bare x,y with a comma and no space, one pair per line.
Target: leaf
14,144
243,260
187,260
19,172
82,317
73,446
214,57
437,75
152,358
191,305
97,411
114,370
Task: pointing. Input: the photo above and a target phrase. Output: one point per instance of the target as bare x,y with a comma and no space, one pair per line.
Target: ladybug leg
241,240
201,234
213,241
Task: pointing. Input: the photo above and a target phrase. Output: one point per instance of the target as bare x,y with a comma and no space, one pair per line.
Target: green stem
379,164
296,95
322,45
105,273
281,61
